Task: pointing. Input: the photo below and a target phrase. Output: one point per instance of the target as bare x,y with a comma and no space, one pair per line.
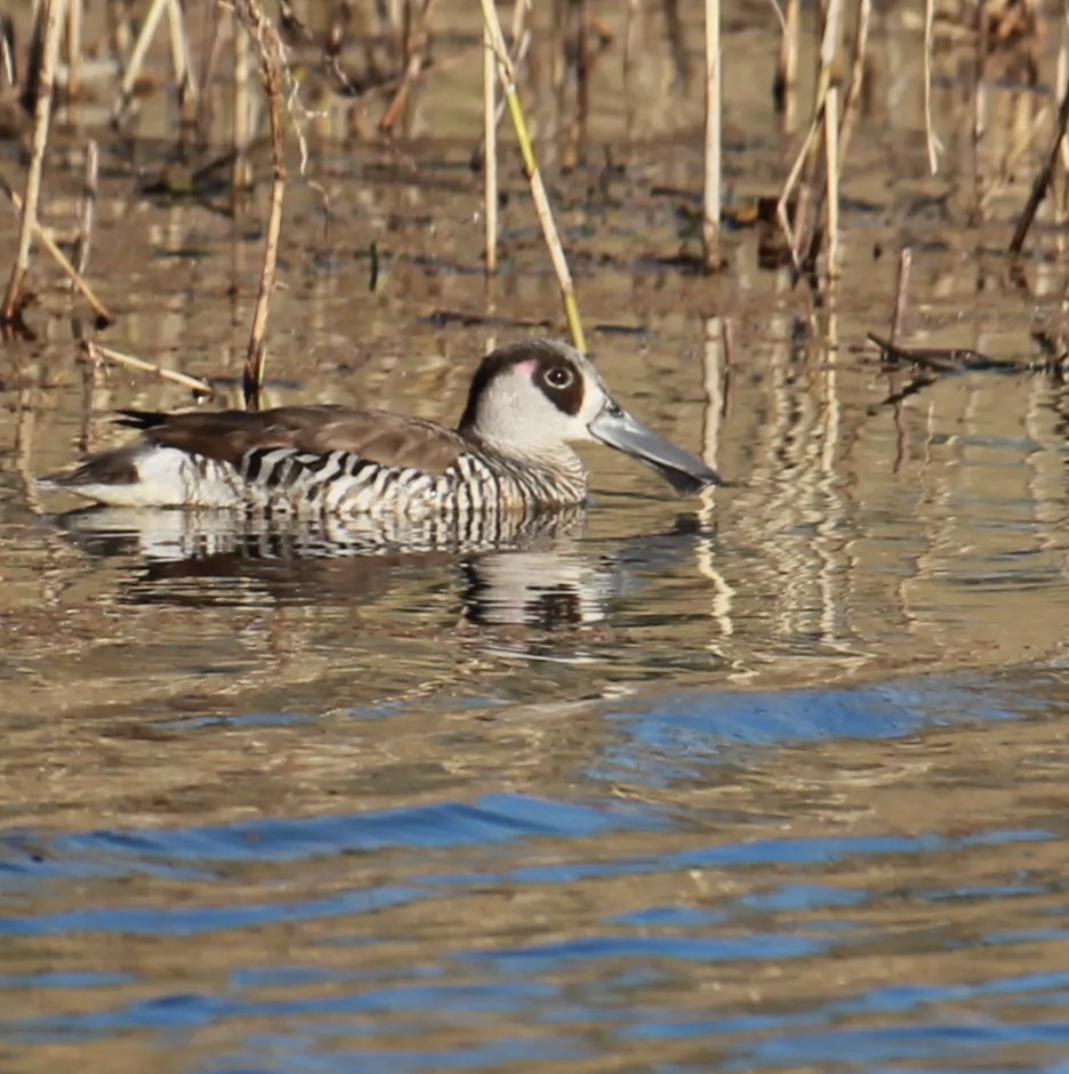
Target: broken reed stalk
180,64
1043,179
271,59
103,315
507,76
785,90
54,12
831,168
829,51
413,65
711,190
935,146
74,51
980,105
95,351
240,171
852,100
137,59
490,152
7,49
905,261
212,42
629,39
87,216
825,120
829,48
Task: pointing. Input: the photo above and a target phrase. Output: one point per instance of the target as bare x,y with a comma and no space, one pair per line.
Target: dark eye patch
561,384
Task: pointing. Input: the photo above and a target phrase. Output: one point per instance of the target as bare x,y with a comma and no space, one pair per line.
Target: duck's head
529,399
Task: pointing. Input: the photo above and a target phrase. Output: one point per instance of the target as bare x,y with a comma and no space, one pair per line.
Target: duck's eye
560,376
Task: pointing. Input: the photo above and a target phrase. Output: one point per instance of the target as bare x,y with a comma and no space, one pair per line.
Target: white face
542,402
532,398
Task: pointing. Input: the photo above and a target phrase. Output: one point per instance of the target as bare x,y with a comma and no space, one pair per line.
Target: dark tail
141,419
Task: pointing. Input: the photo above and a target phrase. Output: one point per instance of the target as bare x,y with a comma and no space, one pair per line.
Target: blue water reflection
542,931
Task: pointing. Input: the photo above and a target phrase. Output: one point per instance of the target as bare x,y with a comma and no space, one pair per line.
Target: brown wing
375,435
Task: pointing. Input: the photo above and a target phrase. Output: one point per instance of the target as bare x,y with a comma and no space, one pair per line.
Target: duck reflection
529,569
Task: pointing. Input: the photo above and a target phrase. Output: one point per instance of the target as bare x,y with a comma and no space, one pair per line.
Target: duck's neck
552,467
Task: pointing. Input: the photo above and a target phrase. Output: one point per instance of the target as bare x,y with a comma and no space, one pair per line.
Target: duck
528,402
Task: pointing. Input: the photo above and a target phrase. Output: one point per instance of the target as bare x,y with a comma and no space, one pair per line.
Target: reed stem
490,153
94,351
137,59
104,317
29,227
507,76
267,39
711,194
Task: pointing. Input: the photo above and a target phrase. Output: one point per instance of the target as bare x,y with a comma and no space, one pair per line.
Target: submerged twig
530,166
54,12
945,359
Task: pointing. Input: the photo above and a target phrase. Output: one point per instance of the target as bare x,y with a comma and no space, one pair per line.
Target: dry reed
711,191
507,76
490,152
87,215
240,171
271,61
1043,180
95,351
54,12
103,315
136,61
905,261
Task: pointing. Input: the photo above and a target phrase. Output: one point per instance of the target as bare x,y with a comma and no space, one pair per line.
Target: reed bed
387,52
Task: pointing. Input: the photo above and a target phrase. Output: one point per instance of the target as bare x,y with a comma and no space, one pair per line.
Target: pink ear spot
527,366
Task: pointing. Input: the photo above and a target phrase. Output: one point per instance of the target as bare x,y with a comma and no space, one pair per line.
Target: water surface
770,781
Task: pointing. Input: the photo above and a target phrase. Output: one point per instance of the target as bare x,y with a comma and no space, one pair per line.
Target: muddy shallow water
769,781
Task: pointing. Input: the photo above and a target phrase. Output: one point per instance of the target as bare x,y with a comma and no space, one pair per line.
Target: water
773,781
